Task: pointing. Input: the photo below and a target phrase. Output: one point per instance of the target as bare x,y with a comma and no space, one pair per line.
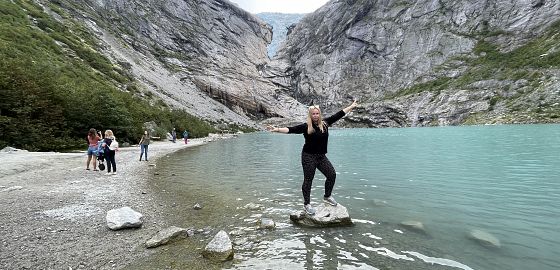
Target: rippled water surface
503,180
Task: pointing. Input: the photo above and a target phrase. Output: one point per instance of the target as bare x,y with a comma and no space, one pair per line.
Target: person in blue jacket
313,155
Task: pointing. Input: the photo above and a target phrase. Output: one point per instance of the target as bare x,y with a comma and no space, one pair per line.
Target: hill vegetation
55,86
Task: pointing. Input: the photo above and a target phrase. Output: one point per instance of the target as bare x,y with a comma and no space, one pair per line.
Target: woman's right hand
270,128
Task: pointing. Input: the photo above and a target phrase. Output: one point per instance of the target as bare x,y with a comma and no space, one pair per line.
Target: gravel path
52,210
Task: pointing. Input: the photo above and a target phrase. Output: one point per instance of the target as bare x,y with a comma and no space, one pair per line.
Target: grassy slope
55,86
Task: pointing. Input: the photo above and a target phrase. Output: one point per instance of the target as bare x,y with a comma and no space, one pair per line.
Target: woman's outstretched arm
277,129
351,107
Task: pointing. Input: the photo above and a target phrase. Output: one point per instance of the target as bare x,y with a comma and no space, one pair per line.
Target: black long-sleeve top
316,142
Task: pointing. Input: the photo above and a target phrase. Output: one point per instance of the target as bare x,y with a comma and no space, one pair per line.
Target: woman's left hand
354,104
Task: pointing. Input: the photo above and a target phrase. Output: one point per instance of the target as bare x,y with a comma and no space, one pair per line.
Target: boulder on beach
325,216
412,225
123,218
219,248
484,238
166,235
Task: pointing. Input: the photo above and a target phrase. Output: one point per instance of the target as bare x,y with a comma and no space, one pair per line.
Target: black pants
110,158
310,162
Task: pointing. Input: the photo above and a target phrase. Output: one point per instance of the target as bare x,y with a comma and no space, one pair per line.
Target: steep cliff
427,62
203,56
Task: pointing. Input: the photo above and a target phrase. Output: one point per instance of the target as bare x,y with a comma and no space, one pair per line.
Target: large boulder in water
485,239
220,248
325,216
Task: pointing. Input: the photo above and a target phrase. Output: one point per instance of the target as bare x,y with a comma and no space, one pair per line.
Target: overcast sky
281,6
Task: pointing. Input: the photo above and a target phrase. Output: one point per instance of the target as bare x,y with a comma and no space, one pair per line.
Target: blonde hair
320,123
109,134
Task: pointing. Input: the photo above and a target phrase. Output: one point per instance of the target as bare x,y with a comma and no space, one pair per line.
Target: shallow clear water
504,180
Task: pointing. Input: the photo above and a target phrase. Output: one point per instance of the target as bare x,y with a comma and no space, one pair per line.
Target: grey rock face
219,248
209,58
202,56
123,218
165,236
325,216
371,50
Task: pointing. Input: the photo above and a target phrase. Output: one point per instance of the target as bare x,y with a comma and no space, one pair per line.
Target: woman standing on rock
313,155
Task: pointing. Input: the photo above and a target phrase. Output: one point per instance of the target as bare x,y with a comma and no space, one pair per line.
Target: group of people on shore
104,148
174,136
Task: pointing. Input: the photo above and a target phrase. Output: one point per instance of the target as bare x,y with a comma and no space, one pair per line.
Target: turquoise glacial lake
502,180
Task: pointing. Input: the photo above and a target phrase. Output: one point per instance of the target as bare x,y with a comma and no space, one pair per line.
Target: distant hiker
92,139
174,135
313,156
110,146
144,142
185,136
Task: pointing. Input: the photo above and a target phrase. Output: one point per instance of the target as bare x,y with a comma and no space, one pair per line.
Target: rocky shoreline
53,210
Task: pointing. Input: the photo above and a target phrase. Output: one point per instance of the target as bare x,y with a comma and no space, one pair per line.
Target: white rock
220,248
123,218
267,223
164,236
325,216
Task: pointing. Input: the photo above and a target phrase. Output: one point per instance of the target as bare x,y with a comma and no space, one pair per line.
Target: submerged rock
412,225
484,238
325,216
164,236
123,218
267,223
253,206
220,248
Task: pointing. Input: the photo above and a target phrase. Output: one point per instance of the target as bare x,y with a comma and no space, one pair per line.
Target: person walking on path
144,142
186,136
93,139
313,155
110,145
174,135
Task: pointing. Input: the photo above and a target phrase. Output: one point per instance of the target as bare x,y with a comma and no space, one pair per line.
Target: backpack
114,145
100,149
